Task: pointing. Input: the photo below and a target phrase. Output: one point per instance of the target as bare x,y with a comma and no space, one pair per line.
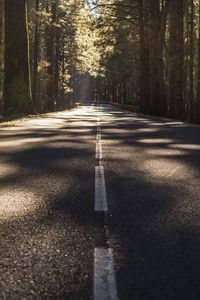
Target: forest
144,53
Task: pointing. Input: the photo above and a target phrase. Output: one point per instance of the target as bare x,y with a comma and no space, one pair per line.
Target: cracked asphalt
48,227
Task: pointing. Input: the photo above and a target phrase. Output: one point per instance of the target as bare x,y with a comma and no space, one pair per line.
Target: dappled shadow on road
153,219
156,238
159,138
152,169
47,190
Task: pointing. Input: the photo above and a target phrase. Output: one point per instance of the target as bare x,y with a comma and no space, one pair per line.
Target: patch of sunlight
15,203
19,142
46,122
108,120
156,141
174,123
163,168
57,117
157,124
143,120
141,130
162,152
83,110
7,169
185,146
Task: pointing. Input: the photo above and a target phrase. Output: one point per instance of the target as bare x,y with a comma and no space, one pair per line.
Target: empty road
98,203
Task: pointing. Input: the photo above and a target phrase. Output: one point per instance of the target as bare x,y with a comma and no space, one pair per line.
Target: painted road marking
98,150
104,275
100,190
98,136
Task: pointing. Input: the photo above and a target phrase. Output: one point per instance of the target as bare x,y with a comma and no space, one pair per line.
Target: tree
191,69
198,64
144,53
1,46
35,57
176,46
144,60
17,86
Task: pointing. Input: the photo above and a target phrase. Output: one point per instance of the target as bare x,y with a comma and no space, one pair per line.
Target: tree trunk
57,62
17,86
35,64
191,76
198,70
1,46
186,68
176,59
144,61
62,99
153,36
50,33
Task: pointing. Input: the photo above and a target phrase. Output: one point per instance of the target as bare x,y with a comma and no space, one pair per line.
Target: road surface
97,203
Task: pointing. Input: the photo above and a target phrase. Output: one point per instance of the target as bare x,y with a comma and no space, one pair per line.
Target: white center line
100,190
98,136
104,275
98,150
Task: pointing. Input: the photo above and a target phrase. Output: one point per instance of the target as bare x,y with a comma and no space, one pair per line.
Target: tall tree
198,64
17,87
35,56
1,45
176,46
50,47
144,59
191,72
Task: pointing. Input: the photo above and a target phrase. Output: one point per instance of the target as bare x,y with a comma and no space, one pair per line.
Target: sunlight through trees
141,53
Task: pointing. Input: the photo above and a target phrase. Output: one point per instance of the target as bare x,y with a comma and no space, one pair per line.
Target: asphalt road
49,228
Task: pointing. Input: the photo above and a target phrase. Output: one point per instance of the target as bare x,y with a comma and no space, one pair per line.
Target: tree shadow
154,218
156,244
